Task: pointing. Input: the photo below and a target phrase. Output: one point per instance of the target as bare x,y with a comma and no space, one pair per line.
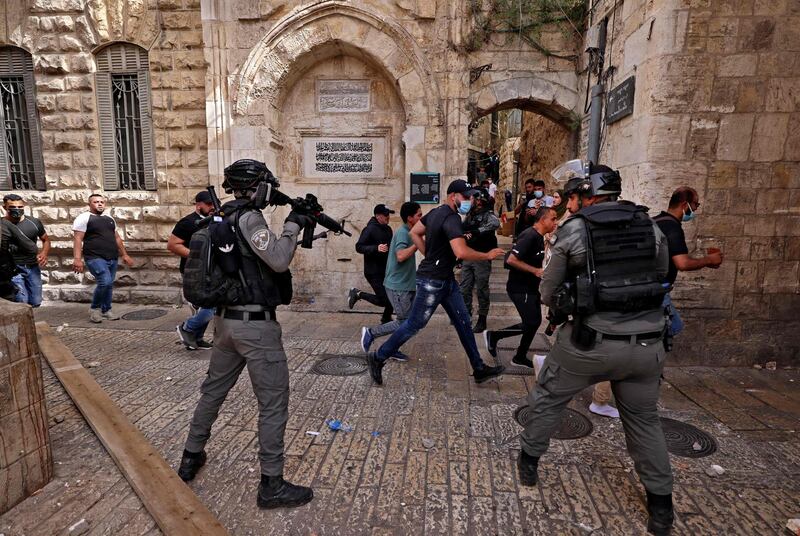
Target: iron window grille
125,118
21,161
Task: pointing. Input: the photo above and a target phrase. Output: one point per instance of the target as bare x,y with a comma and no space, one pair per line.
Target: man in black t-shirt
682,207
98,243
440,238
29,279
525,272
192,330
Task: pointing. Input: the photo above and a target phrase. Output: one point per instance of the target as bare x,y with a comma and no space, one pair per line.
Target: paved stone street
380,478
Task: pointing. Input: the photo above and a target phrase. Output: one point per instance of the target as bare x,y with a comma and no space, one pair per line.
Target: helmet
482,194
604,180
245,174
588,179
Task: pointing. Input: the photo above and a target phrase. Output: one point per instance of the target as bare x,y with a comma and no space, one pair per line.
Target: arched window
125,118
21,162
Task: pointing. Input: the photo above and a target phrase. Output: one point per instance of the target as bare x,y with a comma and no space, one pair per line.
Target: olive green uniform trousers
257,344
634,369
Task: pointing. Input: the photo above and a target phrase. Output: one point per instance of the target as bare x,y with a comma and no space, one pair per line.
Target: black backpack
212,277
205,283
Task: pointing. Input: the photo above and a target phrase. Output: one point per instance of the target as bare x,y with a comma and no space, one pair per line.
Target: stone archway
534,93
337,21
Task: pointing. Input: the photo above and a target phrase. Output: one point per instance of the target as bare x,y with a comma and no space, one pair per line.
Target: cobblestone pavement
380,478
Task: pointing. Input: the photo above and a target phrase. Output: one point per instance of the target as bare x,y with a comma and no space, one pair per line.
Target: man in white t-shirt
98,246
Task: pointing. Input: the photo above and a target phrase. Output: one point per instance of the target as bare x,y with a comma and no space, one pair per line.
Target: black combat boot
659,508
480,325
275,492
528,467
190,464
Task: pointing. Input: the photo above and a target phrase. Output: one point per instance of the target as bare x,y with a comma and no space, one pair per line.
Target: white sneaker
111,315
538,363
605,410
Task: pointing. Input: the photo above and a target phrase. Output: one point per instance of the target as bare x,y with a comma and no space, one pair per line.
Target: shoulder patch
260,239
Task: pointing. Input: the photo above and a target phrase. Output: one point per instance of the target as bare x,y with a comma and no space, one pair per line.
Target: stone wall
261,55
717,108
544,145
26,462
62,36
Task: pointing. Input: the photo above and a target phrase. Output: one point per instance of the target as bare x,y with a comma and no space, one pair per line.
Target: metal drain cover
340,365
573,424
681,439
144,314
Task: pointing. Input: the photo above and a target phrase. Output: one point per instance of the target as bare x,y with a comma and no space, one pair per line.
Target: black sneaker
352,297
399,356
375,368
528,467
661,515
490,339
275,492
522,361
487,373
190,464
480,325
187,338
204,345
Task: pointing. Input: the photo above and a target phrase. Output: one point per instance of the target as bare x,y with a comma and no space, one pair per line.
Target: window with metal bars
124,114
21,162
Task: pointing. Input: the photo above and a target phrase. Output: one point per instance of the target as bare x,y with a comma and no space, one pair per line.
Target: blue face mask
688,216
464,206
538,194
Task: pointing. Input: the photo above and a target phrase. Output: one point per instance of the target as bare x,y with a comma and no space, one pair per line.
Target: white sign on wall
343,95
332,157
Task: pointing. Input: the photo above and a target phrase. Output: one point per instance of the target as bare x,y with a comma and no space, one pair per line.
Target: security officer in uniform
479,231
615,333
250,335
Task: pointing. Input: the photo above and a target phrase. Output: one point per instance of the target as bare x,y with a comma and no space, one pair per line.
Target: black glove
300,219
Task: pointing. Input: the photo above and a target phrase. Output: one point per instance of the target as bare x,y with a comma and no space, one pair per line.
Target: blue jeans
198,323
430,294
104,271
675,321
29,285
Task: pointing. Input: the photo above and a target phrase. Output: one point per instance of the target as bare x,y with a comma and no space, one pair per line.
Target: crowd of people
615,341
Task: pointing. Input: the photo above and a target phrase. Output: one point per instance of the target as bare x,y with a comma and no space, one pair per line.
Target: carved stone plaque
343,95
348,157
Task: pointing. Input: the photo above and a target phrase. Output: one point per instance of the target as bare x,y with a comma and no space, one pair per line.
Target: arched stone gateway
331,22
535,93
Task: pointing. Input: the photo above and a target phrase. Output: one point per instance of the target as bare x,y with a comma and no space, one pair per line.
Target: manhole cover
144,314
573,424
340,365
686,440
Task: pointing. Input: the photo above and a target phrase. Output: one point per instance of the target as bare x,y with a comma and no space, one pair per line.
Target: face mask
538,194
464,206
688,216
16,213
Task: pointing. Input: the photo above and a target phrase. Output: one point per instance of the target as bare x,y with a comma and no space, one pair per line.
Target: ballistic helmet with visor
246,174
482,194
587,179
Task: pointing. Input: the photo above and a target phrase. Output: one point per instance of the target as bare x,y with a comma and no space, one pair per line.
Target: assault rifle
266,195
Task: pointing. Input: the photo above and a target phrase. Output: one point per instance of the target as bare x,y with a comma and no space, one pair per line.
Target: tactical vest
621,259
260,279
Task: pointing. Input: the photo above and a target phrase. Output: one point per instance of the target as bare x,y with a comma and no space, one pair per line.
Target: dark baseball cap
460,186
202,197
382,209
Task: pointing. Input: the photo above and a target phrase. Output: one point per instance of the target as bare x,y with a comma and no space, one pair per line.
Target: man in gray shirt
618,338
